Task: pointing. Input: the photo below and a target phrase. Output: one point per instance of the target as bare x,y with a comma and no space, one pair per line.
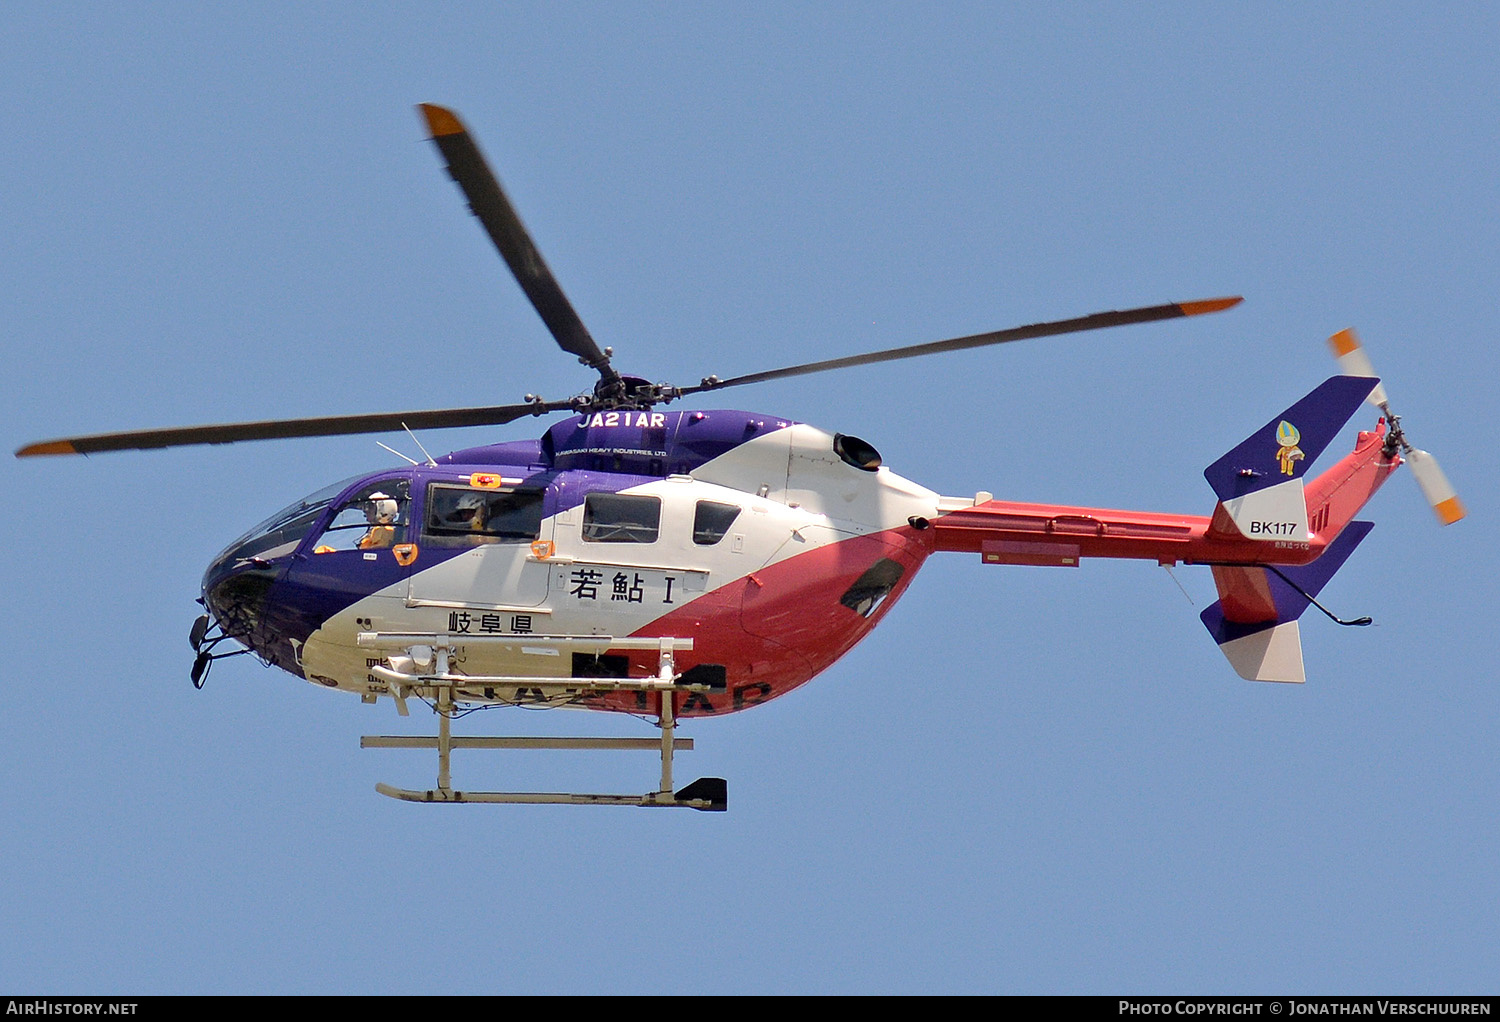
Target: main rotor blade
488,202
276,429
1097,321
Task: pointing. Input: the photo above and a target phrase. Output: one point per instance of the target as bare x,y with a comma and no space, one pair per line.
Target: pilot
381,514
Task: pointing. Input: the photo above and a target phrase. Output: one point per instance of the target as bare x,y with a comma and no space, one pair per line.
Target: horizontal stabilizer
1255,619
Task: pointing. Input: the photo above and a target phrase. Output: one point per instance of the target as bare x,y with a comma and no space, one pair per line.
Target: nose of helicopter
238,587
235,593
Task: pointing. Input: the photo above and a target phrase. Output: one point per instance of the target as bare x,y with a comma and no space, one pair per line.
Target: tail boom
1336,496
1006,532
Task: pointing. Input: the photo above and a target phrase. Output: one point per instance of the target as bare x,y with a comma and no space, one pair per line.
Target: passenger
479,524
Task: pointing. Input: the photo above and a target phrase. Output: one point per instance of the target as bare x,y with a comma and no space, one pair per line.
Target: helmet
382,509
471,508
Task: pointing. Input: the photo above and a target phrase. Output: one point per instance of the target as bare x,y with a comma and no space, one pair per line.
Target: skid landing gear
409,675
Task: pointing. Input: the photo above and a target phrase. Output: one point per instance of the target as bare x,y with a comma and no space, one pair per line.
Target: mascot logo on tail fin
1288,437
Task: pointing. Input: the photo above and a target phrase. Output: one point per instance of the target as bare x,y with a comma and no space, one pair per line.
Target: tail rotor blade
1424,467
1435,486
1354,362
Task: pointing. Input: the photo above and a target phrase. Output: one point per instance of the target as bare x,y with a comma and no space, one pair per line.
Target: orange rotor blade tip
1450,510
50,447
1343,342
440,120
1209,305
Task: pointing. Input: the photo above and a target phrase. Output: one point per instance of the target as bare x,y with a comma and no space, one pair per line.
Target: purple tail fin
1283,448
1259,483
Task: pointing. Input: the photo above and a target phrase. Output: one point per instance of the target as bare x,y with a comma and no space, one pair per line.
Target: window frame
400,492
626,531
440,534
728,524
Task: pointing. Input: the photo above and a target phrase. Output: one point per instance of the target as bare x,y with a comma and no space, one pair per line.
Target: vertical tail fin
1255,619
1259,483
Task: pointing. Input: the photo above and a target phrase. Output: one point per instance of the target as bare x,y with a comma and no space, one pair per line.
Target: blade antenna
1173,576
409,461
419,447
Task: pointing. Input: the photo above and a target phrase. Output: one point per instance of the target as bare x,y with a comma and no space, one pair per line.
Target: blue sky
1027,780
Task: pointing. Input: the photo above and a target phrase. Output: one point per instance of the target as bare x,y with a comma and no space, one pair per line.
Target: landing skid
709,794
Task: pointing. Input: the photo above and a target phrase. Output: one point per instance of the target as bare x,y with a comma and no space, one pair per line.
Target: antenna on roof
419,446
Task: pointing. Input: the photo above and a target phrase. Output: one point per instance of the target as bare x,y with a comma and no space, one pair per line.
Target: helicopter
674,564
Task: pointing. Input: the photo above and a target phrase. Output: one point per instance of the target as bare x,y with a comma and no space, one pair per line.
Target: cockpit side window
467,516
621,518
276,539
374,517
711,521
283,532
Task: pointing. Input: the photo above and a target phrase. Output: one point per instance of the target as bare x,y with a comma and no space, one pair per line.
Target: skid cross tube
444,690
